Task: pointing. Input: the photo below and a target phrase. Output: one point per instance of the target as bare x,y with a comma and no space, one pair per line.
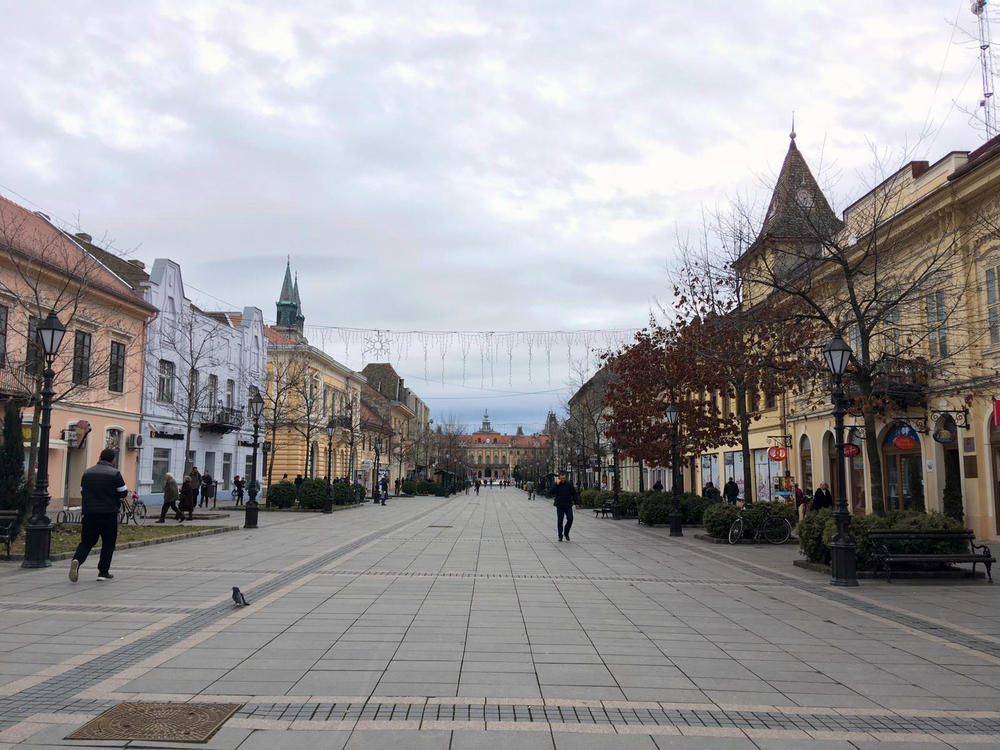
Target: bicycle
132,509
774,528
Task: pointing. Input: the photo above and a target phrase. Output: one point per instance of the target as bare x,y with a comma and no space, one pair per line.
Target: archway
805,464
904,471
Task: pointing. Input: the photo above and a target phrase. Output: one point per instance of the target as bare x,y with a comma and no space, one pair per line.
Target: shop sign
166,435
777,453
903,437
851,450
945,436
246,443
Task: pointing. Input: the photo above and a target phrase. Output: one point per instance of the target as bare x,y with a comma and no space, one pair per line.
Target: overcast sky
478,166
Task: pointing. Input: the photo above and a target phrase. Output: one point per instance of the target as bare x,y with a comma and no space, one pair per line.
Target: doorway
904,471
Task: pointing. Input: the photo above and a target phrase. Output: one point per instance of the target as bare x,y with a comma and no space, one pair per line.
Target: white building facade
200,370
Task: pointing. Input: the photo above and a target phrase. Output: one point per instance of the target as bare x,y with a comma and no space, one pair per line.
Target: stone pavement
463,623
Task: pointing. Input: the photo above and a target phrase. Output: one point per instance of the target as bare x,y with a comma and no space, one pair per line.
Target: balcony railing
903,381
15,381
221,419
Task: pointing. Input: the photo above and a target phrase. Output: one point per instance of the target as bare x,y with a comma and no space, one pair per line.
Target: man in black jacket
103,489
565,499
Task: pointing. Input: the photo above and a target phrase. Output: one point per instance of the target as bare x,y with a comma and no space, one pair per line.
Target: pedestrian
822,498
170,497
398,482
298,485
187,497
195,483
239,484
530,487
284,477
102,489
800,502
658,486
207,489
711,492
477,486
565,499
731,490
383,488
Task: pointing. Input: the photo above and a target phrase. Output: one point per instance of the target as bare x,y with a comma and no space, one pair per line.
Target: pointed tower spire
300,318
286,285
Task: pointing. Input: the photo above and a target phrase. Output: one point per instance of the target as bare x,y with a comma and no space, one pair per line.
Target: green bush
655,510
693,507
312,494
860,528
810,534
590,498
718,517
409,487
754,513
281,495
425,487
14,491
628,503
341,492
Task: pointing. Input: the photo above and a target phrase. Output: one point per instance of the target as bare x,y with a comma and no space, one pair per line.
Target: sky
445,167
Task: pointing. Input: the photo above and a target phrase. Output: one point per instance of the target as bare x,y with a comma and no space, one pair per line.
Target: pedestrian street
463,623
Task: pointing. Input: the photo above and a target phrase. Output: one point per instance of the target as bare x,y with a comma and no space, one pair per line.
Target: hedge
718,518
341,492
409,487
425,488
655,509
312,494
281,495
817,529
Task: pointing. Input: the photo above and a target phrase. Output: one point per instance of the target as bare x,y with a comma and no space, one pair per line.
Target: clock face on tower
804,198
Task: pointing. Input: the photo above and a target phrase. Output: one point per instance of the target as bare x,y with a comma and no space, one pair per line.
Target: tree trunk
744,417
270,458
642,478
874,463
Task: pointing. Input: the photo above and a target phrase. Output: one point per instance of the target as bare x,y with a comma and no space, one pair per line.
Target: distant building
489,454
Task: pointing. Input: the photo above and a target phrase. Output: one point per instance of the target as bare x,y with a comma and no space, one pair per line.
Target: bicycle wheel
736,531
140,510
123,516
777,530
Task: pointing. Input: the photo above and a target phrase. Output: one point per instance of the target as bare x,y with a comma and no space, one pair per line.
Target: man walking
731,491
565,499
103,489
195,484
171,494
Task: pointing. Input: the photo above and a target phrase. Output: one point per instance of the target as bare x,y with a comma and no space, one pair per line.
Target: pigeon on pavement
241,601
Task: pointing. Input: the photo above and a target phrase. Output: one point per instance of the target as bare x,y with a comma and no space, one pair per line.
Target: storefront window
161,465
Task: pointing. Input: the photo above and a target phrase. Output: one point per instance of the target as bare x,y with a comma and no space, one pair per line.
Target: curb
146,542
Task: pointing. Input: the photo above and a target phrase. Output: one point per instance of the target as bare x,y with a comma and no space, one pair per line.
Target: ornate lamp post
349,416
38,530
256,409
331,427
843,548
676,519
378,452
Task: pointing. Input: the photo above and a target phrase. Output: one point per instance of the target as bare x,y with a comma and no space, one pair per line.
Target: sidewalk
462,623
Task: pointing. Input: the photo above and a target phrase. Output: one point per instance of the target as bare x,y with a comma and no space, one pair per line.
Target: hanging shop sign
945,436
166,435
903,437
777,453
851,450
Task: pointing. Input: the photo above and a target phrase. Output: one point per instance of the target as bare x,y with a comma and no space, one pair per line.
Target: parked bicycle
773,527
133,509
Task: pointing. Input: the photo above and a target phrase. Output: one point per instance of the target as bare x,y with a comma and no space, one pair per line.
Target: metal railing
221,419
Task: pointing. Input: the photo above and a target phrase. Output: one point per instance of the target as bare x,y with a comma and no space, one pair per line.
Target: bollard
250,515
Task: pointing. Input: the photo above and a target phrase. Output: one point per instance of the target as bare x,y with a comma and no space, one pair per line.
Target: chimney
138,264
84,236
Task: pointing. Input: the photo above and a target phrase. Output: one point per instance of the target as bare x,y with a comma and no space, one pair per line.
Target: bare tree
284,373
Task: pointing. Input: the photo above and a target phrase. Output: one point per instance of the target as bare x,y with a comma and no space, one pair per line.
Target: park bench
958,547
605,509
9,526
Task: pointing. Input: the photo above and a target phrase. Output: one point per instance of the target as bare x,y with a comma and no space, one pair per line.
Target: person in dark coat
187,498
207,488
565,499
383,487
102,488
731,491
711,492
822,498
298,484
170,497
658,486
195,483
239,485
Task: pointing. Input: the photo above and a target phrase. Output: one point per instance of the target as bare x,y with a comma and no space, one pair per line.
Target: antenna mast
986,62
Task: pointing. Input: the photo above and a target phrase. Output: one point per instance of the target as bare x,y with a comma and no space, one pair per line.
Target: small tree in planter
312,495
13,489
281,495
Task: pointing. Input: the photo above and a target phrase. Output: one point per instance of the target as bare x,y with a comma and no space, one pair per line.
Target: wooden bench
605,509
970,552
9,526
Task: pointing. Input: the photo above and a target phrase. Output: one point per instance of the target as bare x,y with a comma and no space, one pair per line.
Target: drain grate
158,722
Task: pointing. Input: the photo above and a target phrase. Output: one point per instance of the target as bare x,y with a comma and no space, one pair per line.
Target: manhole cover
159,722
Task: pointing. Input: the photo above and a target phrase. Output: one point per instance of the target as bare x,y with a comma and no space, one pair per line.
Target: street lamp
331,427
843,548
673,418
38,531
349,414
256,409
378,452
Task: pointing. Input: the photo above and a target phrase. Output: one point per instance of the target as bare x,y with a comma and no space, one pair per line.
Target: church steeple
289,308
798,209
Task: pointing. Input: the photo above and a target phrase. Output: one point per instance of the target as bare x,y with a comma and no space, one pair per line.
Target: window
892,335
213,391
194,385
230,393
209,467
81,358
936,317
227,470
161,465
993,303
326,400
165,384
3,336
116,368
33,349
771,401
854,338
726,410
248,469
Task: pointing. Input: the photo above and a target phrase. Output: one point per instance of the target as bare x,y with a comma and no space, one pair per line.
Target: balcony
221,420
15,381
903,381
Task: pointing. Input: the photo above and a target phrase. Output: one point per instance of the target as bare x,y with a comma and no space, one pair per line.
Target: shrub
13,488
590,498
628,502
654,510
281,495
409,487
425,487
718,517
341,493
860,528
358,491
312,494
810,534
693,507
